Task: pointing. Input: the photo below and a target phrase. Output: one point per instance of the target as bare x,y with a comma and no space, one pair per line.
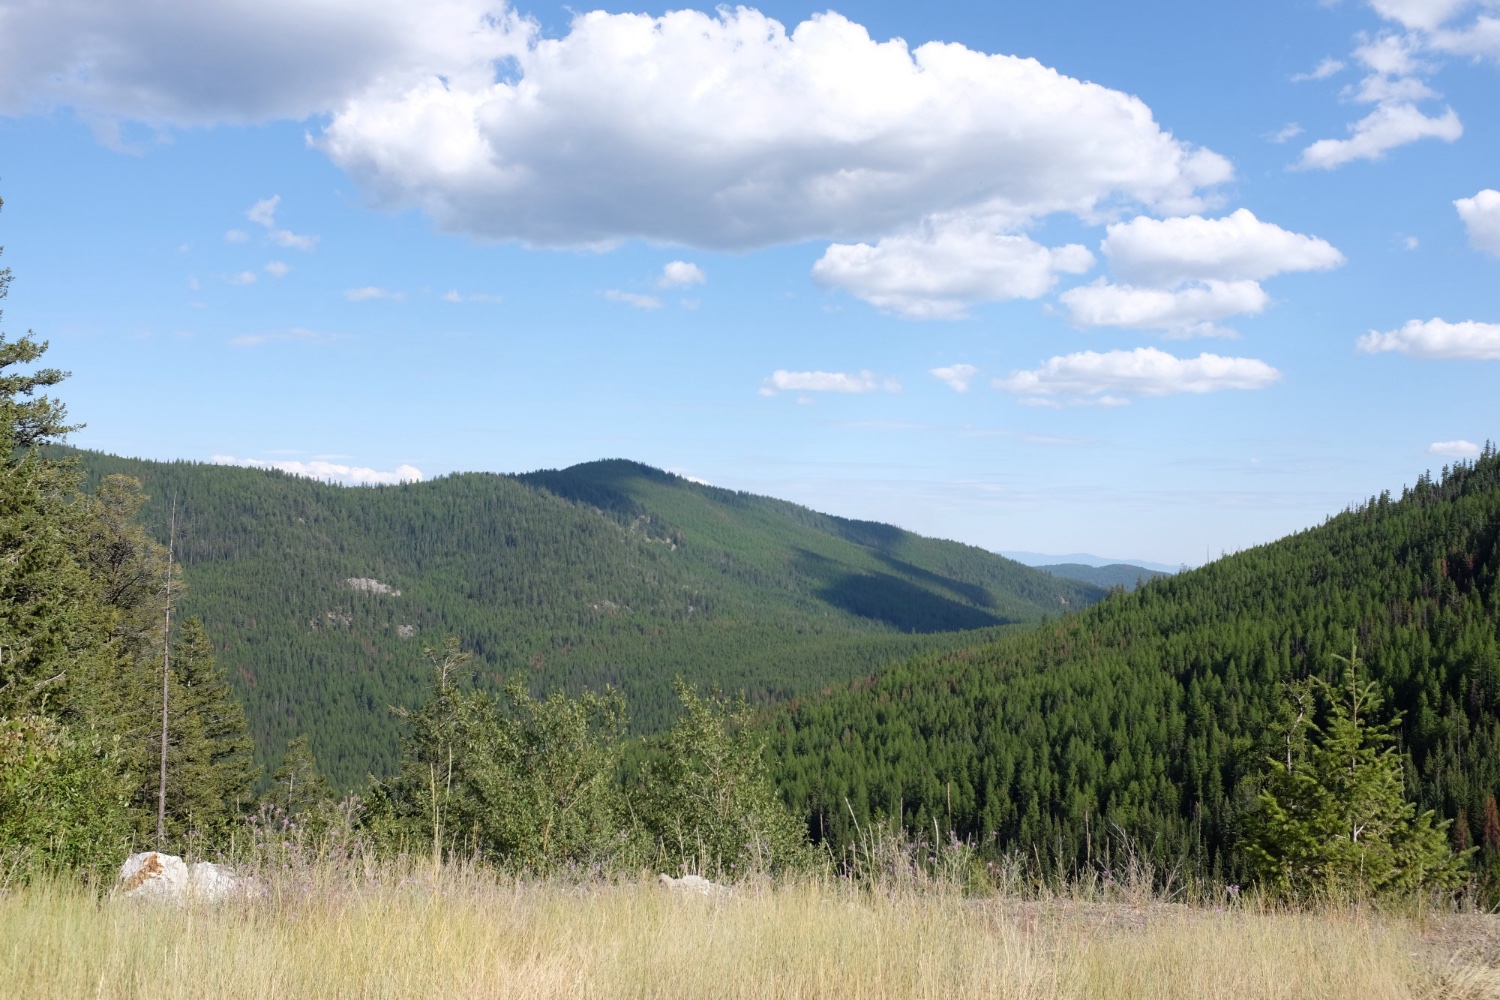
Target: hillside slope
321,597
1148,714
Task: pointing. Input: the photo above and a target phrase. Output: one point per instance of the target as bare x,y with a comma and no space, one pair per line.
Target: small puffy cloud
865,381
943,269
957,377
1190,311
370,292
681,274
1384,129
1390,55
1455,449
1111,378
1436,338
1286,133
277,269
1423,15
1481,215
243,278
237,236
331,472
263,213
633,299
1238,247
1328,67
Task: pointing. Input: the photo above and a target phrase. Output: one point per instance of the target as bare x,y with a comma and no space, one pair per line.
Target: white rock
154,875
692,883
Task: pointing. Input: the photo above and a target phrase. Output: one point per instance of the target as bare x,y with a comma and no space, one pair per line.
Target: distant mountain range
1112,575
1041,559
320,598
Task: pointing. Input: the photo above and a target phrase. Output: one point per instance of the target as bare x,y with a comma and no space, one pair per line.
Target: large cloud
1481,215
727,131
941,271
187,62
720,130
1238,247
1113,377
1436,338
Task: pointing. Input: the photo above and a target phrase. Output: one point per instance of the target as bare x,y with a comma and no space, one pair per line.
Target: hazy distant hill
1150,714
320,597
1112,575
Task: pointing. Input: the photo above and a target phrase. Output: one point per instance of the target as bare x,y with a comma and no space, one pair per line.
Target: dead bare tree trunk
166,666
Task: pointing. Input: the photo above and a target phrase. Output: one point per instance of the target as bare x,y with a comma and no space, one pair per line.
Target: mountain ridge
609,572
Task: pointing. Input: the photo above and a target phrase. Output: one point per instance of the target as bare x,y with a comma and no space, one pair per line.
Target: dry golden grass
461,936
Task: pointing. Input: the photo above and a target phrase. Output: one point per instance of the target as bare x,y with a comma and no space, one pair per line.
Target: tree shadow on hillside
887,598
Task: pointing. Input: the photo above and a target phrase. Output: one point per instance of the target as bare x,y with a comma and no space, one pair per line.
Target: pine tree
298,786
62,789
1334,821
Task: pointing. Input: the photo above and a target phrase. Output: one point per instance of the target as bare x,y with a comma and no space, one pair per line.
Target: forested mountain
319,598
1151,714
1113,575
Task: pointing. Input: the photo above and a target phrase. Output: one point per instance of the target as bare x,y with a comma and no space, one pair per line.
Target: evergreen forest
320,598
1149,719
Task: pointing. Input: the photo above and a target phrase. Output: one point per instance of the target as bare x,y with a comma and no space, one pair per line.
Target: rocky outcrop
154,875
693,884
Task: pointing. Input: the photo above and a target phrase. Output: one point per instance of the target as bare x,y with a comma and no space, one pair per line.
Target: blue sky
1152,281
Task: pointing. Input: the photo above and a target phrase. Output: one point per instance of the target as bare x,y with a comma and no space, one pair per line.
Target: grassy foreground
463,938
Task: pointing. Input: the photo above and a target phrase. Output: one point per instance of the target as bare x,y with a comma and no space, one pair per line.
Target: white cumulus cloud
1192,310
865,381
1421,14
1385,128
1112,377
278,269
1455,449
957,377
1435,338
681,274
1238,247
726,130
347,475
1481,216
941,270
243,278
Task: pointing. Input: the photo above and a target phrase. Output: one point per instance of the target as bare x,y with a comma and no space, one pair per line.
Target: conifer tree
1334,821
298,786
